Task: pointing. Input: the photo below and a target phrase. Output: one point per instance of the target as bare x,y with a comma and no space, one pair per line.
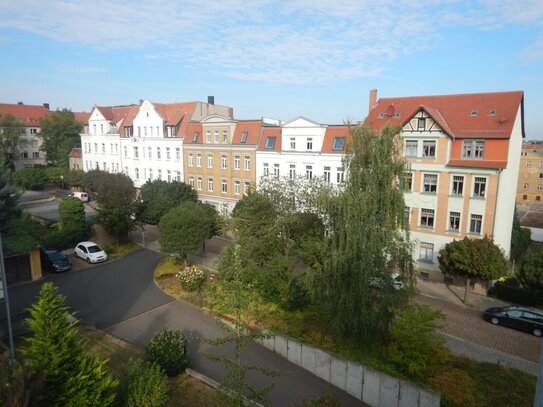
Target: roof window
195,137
492,112
339,143
270,142
381,116
397,114
474,113
243,137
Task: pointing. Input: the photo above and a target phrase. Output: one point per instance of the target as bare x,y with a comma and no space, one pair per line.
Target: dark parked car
55,261
516,317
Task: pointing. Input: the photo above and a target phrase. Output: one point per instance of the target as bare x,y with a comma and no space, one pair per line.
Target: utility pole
6,300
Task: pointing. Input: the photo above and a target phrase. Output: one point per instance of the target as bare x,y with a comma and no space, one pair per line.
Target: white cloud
298,41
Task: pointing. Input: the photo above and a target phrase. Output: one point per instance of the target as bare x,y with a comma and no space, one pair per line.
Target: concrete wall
374,388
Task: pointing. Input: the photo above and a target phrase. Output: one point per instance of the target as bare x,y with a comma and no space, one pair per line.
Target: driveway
121,298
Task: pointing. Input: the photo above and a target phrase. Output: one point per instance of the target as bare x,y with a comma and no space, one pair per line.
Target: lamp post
62,181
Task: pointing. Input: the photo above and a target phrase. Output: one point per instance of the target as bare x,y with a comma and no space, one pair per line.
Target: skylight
492,112
270,142
339,143
473,113
243,137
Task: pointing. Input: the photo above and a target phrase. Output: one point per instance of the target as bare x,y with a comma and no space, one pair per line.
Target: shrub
456,385
168,349
168,266
531,271
191,278
109,249
145,385
518,295
297,296
32,178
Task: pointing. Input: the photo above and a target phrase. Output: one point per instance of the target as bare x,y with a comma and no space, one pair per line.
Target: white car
90,252
397,283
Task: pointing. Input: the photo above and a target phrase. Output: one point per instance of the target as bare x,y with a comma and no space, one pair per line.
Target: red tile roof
191,129
82,117
29,114
253,129
332,132
478,164
75,153
453,113
270,132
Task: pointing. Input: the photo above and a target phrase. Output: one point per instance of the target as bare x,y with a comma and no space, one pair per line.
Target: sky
278,59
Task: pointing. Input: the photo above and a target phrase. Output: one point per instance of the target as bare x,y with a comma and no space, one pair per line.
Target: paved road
122,299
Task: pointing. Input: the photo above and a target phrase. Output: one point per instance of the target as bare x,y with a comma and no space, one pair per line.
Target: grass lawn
477,384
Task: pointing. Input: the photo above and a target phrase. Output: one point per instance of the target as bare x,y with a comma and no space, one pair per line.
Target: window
247,163
492,112
421,123
270,142
191,181
292,171
169,175
101,129
538,198
208,136
198,160
150,152
190,164
340,175
326,174
209,161
479,187
411,147
158,153
310,143
541,164
276,170
95,148
426,252
473,113
224,137
194,137
540,175
137,172
223,161
457,185
167,153
177,153
136,152
406,214
473,149
199,183
243,137
430,183
236,162
309,171
539,187
266,169
178,176
408,179
454,221
525,186
103,148
292,143
475,224
224,186
339,143
237,187
159,175
524,197
35,154
427,218
246,187
126,170
528,164
216,136
428,148
150,173
33,131
24,154
210,184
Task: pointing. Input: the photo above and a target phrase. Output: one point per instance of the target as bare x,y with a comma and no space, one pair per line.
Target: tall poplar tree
368,238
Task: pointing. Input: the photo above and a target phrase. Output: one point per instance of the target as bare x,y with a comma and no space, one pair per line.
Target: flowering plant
191,278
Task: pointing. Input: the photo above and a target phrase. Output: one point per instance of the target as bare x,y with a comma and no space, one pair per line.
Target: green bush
191,278
297,296
109,249
168,349
145,384
32,178
518,295
65,238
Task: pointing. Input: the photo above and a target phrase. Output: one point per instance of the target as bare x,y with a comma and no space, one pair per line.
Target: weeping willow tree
368,238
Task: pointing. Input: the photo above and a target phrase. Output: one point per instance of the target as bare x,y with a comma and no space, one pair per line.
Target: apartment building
144,141
301,147
464,154
530,177
220,159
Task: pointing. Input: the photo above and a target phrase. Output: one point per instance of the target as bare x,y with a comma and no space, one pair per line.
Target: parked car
54,261
378,282
523,319
81,195
90,252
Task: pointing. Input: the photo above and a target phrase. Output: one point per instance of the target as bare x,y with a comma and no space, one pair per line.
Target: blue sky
278,59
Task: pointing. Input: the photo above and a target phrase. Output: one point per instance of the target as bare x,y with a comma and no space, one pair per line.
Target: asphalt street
121,298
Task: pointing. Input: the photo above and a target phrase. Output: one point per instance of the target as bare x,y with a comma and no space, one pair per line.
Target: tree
22,234
367,240
520,239
531,271
184,228
116,200
32,178
11,130
93,179
472,258
158,197
8,197
60,132
74,178
71,378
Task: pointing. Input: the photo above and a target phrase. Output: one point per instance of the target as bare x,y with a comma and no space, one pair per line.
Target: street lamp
62,181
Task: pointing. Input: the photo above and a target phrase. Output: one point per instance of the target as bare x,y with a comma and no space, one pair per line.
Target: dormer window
474,113
270,142
195,137
339,143
473,149
243,137
492,112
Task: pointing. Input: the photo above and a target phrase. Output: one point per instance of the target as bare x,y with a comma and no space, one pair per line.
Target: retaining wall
374,388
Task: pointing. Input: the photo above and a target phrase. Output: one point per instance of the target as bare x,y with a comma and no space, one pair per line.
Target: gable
423,121
301,122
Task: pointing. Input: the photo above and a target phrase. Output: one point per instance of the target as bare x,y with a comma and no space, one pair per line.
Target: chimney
19,103
46,106
141,102
373,99
211,100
